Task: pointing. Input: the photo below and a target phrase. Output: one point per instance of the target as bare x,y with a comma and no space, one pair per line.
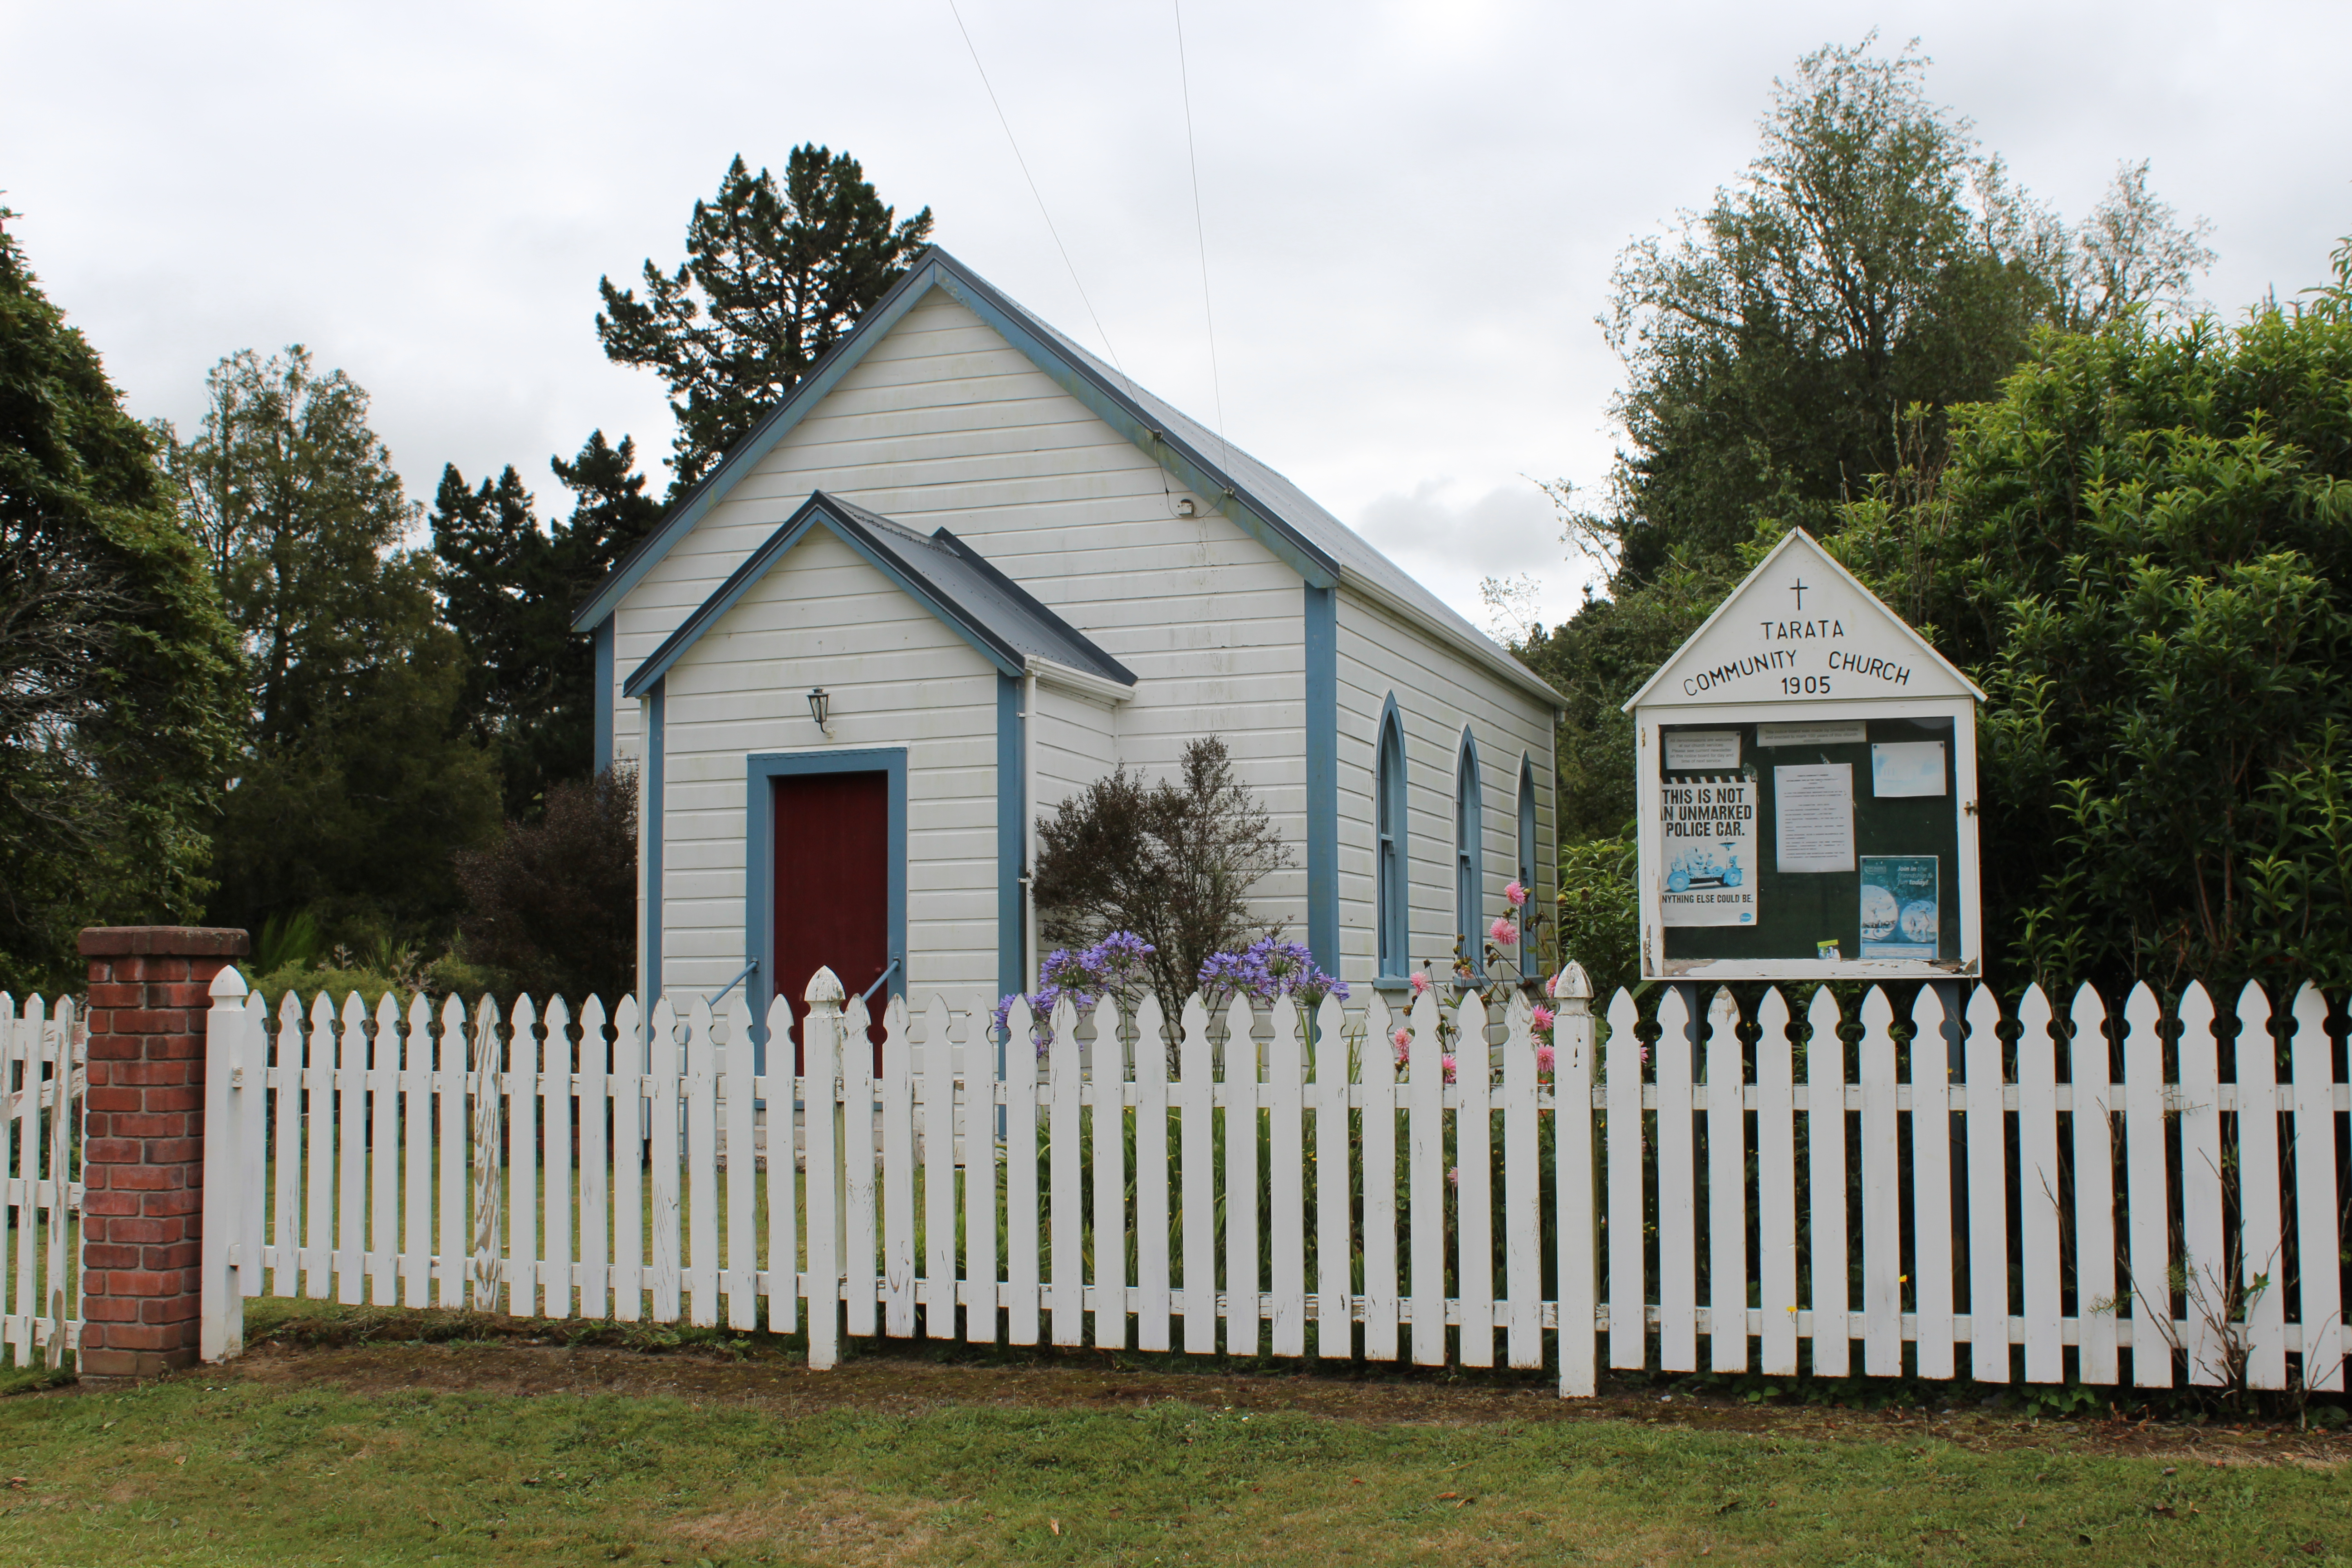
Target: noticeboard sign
1808,790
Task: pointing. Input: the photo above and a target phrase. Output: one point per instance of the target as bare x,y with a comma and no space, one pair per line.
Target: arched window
1469,842
1389,869
1526,847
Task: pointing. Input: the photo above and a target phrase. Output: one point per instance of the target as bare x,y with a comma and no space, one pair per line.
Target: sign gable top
1780,637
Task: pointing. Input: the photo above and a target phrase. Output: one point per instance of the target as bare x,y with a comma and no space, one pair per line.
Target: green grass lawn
419,1454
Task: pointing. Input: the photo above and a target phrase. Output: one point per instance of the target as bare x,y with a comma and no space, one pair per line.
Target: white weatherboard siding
1077,743
1437,691
943,424
899,676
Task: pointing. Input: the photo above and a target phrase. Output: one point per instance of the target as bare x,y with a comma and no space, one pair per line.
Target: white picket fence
1288,1191
42,1079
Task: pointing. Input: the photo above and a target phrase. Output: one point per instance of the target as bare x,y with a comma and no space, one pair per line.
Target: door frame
760,769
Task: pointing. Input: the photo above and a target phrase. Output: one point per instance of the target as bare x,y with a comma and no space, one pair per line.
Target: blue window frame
1526,847
1469,841
1389,866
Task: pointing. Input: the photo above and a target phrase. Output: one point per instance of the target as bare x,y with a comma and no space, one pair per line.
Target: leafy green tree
357,780
509,585
118,672
2143,551
1872,259
771,278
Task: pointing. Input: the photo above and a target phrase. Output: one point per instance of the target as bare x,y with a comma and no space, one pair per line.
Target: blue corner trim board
760,769
649,976
1012,815
1322,651
602,645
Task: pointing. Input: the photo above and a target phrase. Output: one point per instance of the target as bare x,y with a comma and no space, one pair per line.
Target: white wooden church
966,568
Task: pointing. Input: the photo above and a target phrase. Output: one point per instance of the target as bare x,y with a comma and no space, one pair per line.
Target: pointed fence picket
1321,1184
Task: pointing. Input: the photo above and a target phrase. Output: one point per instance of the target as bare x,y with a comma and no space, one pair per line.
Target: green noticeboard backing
1903,845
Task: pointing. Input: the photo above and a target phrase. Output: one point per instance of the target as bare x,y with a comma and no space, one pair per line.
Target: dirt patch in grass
879,1383
836,1524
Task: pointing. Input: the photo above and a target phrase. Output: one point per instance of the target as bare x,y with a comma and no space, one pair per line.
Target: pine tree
510,586
771,278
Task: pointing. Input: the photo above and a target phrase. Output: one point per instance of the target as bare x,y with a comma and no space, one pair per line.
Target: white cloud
1449,538
1411,209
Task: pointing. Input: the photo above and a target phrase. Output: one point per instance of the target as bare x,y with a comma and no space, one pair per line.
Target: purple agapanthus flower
1113,966
1265,970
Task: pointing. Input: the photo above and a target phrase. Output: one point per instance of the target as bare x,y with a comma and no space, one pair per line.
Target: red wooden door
832,885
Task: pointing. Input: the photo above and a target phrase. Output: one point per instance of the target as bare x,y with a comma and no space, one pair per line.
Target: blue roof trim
1121,411
1007,634
744,456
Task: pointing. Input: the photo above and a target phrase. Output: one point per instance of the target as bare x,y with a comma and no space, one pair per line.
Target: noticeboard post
1808,790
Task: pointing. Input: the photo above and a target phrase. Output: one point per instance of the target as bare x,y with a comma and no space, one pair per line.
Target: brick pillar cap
164,942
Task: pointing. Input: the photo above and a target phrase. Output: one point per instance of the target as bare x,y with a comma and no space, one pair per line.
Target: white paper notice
1906,767
1813,808
1839,733
1717,751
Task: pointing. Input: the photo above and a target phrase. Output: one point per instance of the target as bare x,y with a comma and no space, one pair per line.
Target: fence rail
1296,1186
42,1080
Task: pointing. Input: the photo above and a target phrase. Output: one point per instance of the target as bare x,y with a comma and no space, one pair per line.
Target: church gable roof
1321,549
941,572
1777,626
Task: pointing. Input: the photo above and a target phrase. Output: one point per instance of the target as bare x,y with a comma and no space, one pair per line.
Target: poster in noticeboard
1900,906
1710,855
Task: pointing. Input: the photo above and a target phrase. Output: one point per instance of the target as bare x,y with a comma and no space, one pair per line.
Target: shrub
552,905
1172,863
1601,913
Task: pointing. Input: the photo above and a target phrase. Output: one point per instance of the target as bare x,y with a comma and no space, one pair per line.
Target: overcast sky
1411,209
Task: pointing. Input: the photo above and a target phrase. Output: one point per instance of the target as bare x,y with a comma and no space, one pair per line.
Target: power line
1016,144
1200,235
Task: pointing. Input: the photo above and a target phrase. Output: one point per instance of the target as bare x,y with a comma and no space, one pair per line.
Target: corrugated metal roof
989,598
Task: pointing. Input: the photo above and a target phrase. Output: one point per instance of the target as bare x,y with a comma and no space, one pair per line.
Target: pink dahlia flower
1544,1059
1505,933
1515,893
1420,983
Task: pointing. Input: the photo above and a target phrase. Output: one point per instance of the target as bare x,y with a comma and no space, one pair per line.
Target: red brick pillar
144,1145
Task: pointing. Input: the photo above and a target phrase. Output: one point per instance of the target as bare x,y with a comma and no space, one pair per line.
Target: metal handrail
749,966
868,994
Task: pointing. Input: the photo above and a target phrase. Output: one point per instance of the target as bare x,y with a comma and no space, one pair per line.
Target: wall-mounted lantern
820,702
